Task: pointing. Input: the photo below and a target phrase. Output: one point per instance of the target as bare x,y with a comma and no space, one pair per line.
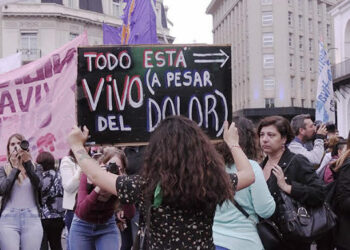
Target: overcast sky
191,24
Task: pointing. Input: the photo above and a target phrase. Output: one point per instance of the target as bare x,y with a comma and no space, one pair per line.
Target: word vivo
113,91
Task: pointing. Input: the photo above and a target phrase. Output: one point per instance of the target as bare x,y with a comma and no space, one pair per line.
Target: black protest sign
124,92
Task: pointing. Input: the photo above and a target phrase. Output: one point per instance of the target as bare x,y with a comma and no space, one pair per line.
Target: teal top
231,228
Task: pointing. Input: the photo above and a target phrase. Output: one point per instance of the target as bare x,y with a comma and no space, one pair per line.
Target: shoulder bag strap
241,209
284,171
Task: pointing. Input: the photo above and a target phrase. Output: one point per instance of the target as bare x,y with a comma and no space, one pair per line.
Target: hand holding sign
231,134
77,137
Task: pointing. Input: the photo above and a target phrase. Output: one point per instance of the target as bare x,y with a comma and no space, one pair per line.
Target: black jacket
7,182
342,205
307,187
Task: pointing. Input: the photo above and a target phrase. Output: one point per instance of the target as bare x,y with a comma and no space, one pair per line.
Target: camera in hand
113,168
24,145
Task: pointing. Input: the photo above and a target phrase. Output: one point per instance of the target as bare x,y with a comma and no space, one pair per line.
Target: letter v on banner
325,104
38,100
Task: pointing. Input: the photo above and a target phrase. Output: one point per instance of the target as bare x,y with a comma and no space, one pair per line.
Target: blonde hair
343,157
341,160
332,141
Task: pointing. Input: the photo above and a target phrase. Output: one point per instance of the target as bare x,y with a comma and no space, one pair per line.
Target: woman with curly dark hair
183,177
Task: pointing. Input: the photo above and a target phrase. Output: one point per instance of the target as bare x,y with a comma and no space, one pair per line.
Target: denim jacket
7,182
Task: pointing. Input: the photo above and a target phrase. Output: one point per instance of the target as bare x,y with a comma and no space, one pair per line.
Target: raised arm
89,166
34,173
245,173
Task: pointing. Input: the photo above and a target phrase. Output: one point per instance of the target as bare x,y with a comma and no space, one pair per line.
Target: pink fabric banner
38,101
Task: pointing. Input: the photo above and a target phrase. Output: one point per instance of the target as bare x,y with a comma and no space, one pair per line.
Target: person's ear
301,131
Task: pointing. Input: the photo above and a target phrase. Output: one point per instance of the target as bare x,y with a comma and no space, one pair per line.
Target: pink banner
38,101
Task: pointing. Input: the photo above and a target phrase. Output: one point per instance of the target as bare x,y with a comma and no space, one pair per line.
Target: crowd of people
181,191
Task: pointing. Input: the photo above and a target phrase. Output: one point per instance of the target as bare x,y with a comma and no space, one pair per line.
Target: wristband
320,136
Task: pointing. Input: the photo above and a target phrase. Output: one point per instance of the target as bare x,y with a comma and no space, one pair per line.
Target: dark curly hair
248,141
182,159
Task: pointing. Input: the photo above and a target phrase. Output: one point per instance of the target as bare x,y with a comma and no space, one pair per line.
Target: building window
29,46
311,65
302,85
267,39
267,18
310,44
290,2
328,30
290,40
301,24
319,9
312,104
311,25
266,2
292,84
310,5
292,100
116,7
300,4
290,18
269,83
291,60
301,63
303,103
72,36
269,102
301,41
320,28
269,61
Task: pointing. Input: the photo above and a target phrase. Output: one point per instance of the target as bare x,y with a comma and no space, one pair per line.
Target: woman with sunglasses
93,225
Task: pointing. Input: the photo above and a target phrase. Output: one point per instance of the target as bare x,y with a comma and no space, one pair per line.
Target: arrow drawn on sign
209,60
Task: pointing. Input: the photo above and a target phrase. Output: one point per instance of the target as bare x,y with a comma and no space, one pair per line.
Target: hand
24,156
103,195
322,130
120,216
281,182
77,137
14,160
231,134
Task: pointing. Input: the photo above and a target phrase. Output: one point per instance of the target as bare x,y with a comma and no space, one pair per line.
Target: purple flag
111,35
143,25
139,25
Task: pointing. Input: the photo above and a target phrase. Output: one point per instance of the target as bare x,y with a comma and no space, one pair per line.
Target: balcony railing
30,54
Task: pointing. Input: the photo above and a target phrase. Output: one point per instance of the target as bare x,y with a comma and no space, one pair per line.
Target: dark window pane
52,1
93,5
